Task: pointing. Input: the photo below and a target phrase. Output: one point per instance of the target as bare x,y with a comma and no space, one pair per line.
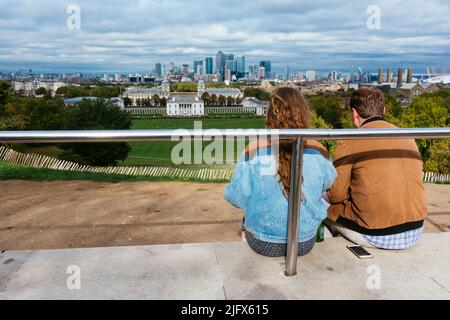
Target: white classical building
226,92
135,93
163,91
30,86
185,106
260,107
181,104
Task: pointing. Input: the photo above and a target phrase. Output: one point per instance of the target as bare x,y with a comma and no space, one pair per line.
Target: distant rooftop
257,101
78,100
405,85
219,91
185,99
137,90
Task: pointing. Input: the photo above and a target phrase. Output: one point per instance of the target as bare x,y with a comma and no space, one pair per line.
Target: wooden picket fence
433,177
42,161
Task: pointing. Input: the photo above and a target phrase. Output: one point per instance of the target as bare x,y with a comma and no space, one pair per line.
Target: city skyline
332,35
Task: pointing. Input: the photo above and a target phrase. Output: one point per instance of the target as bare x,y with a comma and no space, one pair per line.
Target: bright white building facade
260,107
186,106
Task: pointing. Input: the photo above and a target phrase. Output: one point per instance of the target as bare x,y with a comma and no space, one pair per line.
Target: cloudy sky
128,36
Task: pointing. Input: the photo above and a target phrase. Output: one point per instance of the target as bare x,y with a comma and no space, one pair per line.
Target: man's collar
372,119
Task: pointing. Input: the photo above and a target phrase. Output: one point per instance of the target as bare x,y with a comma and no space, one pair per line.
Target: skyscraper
185,70
220,62
197,66
229,56
253,71
262,73
310,75
240,66
286,73
158,71
230,65
209,65
228,75
267,64
171,67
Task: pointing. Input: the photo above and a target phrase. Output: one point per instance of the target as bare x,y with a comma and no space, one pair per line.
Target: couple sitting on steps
372,194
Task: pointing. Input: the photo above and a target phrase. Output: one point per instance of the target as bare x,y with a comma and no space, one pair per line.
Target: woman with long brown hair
261,181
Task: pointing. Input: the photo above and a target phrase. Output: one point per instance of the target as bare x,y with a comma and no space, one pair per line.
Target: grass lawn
158,153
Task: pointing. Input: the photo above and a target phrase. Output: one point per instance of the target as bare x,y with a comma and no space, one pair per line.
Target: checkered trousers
397,241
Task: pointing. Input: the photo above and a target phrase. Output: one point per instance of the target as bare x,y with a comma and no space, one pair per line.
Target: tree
443,93
163,102
425,111
257,93
60,91
429,110
394,109
318,123
7,123
446,105
156,100
96,115
33,114
215,85
331,109
127,102
146,102
206,98
46,114
222,100
40,91
5,92
106,92
13,119
138,103
213,99
439,160
183,87
230,101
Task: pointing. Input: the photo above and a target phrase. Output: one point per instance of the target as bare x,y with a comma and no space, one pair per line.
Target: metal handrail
297,135
163,135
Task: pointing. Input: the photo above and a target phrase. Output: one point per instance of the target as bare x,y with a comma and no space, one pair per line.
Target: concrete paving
228,271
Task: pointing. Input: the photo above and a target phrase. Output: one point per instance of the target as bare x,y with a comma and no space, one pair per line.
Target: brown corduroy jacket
379,182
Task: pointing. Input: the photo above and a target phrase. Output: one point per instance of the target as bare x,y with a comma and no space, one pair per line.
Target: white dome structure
441,79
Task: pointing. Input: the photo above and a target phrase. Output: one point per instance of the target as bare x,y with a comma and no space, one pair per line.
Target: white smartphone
359,251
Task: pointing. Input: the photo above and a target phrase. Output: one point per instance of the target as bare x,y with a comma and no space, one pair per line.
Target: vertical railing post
295,197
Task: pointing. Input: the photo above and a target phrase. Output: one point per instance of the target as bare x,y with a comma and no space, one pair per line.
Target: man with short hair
378,199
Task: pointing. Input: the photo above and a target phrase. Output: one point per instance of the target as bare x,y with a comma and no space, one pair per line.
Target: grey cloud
133,35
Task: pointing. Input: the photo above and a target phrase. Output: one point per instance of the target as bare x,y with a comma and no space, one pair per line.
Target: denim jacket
255,187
